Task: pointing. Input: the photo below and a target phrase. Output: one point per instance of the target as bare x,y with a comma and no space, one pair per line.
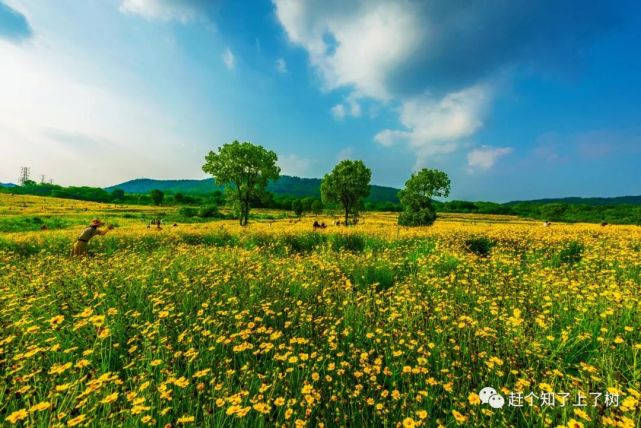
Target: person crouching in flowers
81,246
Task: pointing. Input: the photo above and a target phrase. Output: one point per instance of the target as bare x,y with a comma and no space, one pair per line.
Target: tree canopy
346,185
416,197
157,196
247,168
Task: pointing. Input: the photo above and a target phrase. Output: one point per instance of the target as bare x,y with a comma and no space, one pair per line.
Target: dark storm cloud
466,41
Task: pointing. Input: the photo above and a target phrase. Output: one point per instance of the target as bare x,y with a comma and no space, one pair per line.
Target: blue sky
513,99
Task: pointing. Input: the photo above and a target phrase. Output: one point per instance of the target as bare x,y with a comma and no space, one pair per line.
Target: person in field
81,246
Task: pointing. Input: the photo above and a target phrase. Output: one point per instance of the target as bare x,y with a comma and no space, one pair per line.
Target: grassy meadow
210,324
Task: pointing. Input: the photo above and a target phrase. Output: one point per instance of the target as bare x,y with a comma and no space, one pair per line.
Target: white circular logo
486,393
496,401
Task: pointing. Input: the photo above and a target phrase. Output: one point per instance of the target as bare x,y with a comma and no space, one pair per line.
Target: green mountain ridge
285,185
593,201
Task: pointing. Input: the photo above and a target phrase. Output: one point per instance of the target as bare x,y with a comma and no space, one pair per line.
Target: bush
364,276
423,217
297,207
187,212
480,246
317,207
208,211
305,242
572,253
348,242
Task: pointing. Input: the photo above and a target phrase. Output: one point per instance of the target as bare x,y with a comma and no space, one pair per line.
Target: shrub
187,212
208,211
305,242
481,246
297,207
363,276
317,207
348,242
572,253
423,217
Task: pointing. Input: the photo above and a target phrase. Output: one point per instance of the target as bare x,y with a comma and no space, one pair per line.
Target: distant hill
7,185
285,185
618,200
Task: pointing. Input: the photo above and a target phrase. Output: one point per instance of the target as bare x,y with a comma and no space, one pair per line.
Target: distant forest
302,195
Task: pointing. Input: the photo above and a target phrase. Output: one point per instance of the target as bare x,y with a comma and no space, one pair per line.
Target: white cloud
436,126
364,45
345,153
294,165
281,66
338,111
229,59
164,10
485,157
351,107
53,114
357,45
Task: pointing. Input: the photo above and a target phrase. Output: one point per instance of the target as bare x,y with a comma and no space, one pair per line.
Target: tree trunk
346,214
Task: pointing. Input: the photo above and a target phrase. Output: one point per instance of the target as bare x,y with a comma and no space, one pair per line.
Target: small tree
117,194
246,168
157,196
297,207
317,207
416,197
347,184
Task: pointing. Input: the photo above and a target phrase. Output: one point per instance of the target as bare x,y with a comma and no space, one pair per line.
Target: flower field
275,324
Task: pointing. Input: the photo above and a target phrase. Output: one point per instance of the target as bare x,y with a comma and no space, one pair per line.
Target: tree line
344,188
246,168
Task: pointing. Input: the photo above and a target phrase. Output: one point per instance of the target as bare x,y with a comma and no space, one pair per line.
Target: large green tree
246,168
347,184
416,197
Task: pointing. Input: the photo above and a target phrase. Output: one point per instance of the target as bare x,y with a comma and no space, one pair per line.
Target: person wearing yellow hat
80,247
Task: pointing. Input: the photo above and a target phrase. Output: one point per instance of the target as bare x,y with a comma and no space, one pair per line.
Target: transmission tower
42,179
24,174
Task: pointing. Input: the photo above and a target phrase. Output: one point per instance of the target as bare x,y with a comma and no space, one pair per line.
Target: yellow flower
262,408
573,423
155,363
57,320
110,398
474,398
186,419
59,368
63,387
583,415
44,405
82,363
201,373
181,382
409,423
138,409
279,401
458,417
76,421
545,387
16,416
